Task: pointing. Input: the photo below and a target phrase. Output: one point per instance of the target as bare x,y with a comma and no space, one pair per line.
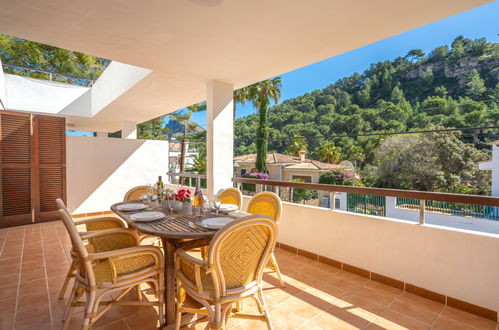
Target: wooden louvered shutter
16,152
50,163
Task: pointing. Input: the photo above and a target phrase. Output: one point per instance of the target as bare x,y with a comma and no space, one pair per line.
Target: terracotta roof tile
293,161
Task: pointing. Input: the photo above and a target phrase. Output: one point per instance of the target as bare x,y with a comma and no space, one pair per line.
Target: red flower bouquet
183,195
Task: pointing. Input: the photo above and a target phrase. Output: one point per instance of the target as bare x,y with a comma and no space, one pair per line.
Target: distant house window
305,178
243,171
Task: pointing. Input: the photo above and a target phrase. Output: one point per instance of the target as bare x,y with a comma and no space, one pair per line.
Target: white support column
128,130
219,137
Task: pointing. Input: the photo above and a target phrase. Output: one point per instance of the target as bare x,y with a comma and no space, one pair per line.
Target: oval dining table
177,231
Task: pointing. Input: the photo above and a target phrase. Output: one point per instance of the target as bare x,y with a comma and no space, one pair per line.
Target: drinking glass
217,205
149,192
169,202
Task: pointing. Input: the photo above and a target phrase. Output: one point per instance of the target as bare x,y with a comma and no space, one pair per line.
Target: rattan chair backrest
266,203
84,265
137,193
231,196
62,206
240,251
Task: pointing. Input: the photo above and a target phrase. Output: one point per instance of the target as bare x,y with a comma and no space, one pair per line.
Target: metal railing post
421,211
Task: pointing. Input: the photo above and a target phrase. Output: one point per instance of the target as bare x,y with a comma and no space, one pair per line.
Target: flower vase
187,208
177,206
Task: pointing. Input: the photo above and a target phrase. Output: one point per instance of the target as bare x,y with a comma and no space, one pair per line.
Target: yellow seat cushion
103,272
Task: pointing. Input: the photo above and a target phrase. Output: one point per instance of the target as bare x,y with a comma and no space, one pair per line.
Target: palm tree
356,154
297,145
198,165
241,95
330,153
369,145
261,94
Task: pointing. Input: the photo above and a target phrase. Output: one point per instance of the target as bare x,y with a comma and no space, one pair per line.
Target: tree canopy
17,51
433,162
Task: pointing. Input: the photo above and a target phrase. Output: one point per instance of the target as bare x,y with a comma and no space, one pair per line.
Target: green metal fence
366,204
464,210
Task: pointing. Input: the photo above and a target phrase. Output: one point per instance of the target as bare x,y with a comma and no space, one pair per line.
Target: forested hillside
452,86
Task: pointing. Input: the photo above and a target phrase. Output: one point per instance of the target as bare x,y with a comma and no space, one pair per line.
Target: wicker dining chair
233,271
231,196
116,271
268,203
93,224
137,192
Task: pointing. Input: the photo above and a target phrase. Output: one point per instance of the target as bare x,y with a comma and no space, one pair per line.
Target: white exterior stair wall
43,96
101,170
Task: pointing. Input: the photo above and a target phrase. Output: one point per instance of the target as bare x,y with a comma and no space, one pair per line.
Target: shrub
257,175
303,194
344,178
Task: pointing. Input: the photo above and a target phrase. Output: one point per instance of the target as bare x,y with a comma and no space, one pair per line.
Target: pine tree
153,129
475,87
428,76
22,52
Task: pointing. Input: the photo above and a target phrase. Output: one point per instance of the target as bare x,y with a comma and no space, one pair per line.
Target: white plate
131,207
147,216
227,207
215,223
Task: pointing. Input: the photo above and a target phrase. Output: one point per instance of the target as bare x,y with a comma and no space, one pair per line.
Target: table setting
182,219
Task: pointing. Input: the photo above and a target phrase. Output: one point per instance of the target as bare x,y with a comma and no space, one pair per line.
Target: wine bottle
195,200
159,188
199,194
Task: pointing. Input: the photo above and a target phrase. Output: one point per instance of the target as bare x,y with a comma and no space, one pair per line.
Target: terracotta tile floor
34,260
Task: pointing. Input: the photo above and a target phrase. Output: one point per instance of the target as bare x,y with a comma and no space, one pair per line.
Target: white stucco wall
458,263
39,95
101,170
36,95
116,79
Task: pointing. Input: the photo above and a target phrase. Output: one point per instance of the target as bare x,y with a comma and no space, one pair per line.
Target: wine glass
149,192
217,204
169,203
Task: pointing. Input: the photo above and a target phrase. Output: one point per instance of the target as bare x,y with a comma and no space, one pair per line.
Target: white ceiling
189,42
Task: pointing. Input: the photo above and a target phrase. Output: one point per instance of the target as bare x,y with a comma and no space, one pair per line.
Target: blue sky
477,23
